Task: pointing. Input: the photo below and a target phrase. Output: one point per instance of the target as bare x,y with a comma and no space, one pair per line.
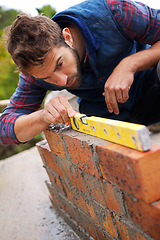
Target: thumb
71,113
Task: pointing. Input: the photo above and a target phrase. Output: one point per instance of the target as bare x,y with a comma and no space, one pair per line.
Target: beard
76,78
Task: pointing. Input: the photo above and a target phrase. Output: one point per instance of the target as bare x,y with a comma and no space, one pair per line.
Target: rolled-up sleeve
136,20
27,98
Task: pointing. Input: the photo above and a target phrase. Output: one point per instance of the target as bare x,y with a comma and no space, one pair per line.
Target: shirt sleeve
27,98
136,20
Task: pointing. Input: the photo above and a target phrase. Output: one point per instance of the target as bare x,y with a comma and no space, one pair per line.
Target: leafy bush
8,72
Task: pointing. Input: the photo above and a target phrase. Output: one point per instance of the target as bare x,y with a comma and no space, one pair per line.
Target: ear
67,36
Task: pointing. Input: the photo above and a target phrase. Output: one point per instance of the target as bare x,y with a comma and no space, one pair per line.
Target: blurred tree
47,10
8,73
7,17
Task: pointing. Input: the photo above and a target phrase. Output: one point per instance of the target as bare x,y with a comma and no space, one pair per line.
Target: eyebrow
53,70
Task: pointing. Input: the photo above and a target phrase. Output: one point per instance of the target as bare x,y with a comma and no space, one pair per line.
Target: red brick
123,230
77,180
69,192
42,145
146,215
51,161
135,172
81,204
63,203
92,213
94,185
101,217
55,143
91,229
138,236
54,196
86,223
100,234
81,154
74,196
108,225
73,213
72,175
55,181
111,197
83,220
127,233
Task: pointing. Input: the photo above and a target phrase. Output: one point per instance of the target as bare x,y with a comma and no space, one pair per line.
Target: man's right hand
58,110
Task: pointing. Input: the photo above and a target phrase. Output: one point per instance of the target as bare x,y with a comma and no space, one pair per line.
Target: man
98,50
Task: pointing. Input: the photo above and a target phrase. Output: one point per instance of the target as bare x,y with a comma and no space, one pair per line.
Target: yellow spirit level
132,135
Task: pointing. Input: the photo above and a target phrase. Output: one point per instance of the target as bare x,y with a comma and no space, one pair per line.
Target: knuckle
112,89
62,111
60,97
112,102
117,88
57,117
52,101
123,88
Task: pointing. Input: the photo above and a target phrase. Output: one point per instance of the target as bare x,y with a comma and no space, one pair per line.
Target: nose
60,79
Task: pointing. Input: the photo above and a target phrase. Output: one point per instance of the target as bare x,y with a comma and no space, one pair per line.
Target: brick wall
104,190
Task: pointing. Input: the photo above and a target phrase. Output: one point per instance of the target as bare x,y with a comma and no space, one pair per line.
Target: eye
60,64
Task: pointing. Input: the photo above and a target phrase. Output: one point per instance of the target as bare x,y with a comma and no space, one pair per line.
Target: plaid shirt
135,20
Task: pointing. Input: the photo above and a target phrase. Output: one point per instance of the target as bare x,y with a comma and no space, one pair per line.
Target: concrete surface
25,209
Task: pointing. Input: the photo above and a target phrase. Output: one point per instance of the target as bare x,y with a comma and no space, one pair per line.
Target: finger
111,102
119,96
68,107
60,107
52,113
125,94
114,105
50,118
107,100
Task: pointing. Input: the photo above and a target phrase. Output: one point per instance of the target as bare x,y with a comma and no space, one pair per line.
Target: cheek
73,65
70,69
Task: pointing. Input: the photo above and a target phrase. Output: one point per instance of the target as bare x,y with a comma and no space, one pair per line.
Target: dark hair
31,38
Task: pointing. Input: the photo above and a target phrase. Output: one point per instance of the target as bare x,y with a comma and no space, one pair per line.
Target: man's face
61,67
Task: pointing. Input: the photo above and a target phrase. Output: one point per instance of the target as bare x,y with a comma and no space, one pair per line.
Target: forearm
120,81
28,126
56,110
144,59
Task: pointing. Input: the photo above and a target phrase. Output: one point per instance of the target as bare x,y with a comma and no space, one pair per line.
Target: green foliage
47,10
7,17
8,74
